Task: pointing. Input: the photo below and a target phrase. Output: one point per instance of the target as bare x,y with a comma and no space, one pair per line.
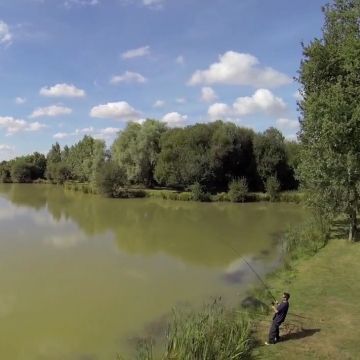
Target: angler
281,311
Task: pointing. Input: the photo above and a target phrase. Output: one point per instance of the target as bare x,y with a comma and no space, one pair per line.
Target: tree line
151,154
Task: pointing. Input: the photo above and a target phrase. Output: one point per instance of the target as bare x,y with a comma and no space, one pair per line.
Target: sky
75,67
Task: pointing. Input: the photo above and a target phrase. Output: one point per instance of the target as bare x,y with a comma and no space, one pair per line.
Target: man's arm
277,308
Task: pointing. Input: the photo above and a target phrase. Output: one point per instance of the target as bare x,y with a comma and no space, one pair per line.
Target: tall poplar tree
329,75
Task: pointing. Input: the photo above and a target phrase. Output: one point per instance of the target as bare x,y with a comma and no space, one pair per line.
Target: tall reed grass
212,333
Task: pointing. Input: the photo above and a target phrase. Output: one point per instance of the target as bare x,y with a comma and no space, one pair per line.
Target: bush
272,188
291,197
172,196
238,189
111,180
185,196
213,332
198,194
220,197
306,238
5,176
62,173
21,172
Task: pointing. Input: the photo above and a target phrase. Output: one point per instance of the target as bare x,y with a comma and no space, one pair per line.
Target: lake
81,277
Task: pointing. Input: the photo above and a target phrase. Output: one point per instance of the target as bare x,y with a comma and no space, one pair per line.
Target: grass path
326,290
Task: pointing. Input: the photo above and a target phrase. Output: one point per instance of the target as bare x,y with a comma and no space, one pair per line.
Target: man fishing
279,317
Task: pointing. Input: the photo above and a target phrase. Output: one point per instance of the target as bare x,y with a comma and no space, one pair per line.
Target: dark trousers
274,333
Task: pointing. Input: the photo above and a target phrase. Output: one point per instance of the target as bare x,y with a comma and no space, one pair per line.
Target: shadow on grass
299,335
340,230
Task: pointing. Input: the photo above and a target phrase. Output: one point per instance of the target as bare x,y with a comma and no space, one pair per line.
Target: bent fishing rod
258,276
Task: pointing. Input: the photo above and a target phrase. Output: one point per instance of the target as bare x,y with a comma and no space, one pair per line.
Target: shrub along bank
196,194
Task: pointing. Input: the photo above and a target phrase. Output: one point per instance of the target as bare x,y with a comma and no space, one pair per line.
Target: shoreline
293,196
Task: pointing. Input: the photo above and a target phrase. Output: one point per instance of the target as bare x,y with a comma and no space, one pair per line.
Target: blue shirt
282,312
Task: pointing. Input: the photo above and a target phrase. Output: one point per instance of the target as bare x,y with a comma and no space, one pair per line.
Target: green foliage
272,188
198,193
185,196
330,123
214,332
306,238
291,197
54,155
208,158
21,172
62,173
136,150
221,197
111,180
5,175
210,154
238,189
270,155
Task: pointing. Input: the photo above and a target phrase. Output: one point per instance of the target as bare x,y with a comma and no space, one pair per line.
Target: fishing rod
251,269
231,247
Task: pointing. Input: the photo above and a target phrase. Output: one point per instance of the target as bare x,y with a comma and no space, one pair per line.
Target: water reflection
194,233
80,274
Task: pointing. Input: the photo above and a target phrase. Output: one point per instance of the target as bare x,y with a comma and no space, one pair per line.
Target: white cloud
53,110
181,100
218,110
287,124
104,134
180,60
145,50
262,101
154,4
175,119
5,34
239,69
119,111
71,3
62,90
208,94
159,103
20,100
128,76
6,148
151,4
13,125
6,153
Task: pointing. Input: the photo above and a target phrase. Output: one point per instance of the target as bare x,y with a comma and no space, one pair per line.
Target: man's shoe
266,343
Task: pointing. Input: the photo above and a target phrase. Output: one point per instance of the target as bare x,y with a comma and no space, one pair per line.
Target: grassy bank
240,332
166,194
325,292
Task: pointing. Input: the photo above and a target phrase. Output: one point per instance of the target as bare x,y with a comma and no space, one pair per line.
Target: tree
110,179
329,76
54,155
136,150
270,155
21,172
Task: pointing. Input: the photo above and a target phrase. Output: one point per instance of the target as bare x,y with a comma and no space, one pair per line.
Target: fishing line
231,247
250,268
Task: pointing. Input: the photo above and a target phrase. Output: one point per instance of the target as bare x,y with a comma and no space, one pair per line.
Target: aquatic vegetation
213,332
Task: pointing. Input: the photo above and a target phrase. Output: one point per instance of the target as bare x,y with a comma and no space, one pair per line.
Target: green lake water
81,277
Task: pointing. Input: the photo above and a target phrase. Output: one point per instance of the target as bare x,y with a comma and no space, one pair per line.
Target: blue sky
70,67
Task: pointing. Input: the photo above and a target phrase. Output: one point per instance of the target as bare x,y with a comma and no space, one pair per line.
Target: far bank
295,197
